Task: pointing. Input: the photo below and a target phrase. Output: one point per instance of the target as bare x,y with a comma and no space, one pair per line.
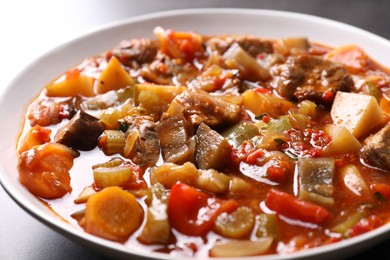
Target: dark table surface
30,28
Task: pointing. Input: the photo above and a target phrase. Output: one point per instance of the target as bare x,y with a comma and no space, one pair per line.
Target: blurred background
29,29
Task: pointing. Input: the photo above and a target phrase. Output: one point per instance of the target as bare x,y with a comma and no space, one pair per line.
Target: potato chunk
113,77
342,141
360,114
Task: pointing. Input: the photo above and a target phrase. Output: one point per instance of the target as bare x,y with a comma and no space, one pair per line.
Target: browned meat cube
81,132
136,50
255,46
142,145
199,106
176,139
376,149
309,77
212,149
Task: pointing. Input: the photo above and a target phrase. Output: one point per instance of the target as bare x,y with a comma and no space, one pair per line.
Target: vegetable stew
214,145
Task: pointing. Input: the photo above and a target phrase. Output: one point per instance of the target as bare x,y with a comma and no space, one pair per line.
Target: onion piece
241,248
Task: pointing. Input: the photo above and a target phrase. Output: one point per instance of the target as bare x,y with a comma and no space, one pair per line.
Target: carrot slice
113,214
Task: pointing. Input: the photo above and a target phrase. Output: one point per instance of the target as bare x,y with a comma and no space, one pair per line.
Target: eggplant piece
212,149
176,139
81,132
316,180
142,145
376,149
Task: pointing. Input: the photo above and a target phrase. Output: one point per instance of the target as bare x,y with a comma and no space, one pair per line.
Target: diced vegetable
237,58
168,174
359,113
157,228
353,180
112,142
193,212
212,181
73,83
238,224
342,141
308,108
113,77
238,185
44,170
260,103
113,176
155,99
344,226
181,45
239,133
241,248
35,136
352,57
81,132
85,194
316,180
275,125
267,226
293,45
212,150
109,99
113,214
292,207
382,188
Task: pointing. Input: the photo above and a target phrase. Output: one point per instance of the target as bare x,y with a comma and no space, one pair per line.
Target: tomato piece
382,188
365,225
44,170
292,207
35,136
193,212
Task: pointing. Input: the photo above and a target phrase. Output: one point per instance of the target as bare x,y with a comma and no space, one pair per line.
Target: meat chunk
81,132
212,149
255,46
176,139
199,106
50,111
136,50
142,145
376,149
309,77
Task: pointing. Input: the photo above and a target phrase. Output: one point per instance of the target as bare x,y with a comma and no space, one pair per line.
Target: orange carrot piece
113,214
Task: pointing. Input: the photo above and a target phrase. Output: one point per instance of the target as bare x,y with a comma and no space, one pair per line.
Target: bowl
265,23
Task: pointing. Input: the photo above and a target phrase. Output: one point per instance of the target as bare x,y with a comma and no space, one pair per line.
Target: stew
214,145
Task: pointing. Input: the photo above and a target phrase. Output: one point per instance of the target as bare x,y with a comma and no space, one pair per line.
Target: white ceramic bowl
266,23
